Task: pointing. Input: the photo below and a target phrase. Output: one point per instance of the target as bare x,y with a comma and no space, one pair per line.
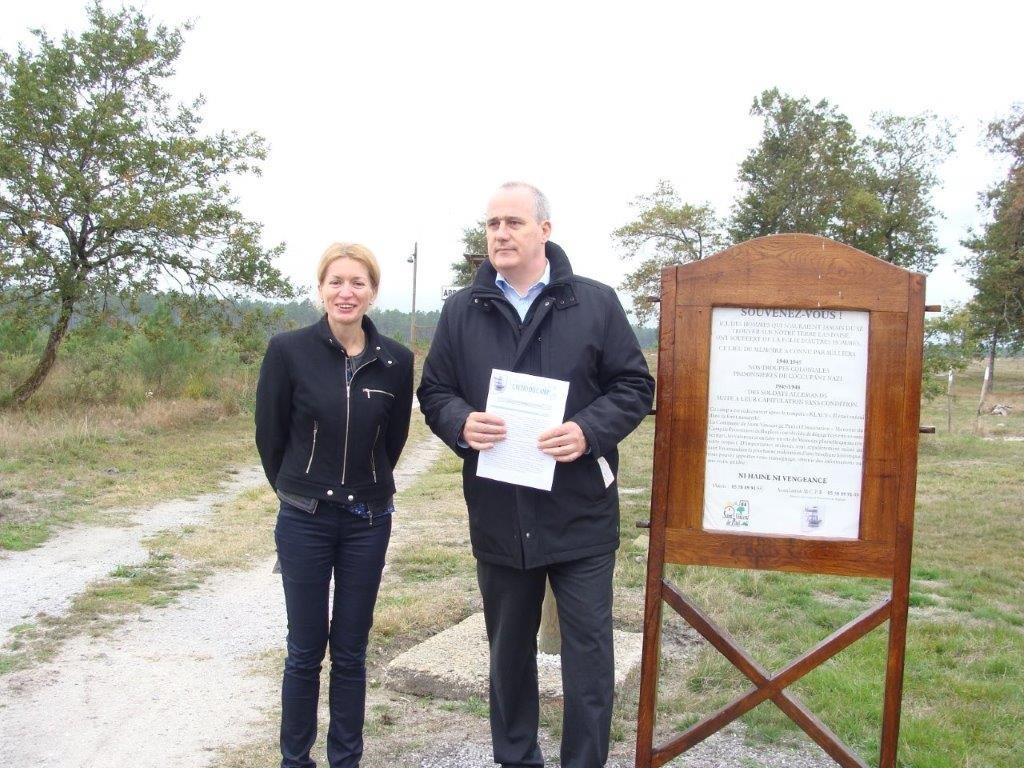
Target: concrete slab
453,664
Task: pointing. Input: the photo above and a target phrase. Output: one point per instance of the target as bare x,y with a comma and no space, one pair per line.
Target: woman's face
346,291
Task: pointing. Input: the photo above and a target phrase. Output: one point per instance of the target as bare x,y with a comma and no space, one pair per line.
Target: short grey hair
541,206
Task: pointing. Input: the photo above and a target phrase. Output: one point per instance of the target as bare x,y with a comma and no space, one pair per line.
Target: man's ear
545,227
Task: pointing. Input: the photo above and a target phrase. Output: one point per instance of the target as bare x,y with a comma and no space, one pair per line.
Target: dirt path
170,688
44,580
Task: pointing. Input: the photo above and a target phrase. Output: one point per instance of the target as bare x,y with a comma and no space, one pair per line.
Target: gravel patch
723,750
160,692
728,749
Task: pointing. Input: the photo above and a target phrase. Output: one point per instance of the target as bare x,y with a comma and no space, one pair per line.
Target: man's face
515,239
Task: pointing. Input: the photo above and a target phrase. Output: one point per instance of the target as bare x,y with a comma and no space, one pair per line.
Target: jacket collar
561,270
373,346
483,288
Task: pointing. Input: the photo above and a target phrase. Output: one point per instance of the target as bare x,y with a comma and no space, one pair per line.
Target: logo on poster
737,514
812,518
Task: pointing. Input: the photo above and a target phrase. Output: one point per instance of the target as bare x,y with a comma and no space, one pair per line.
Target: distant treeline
395,323
171,345
391,322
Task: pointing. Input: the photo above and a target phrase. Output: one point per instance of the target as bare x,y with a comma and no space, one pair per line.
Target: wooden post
981,400
949,403
984,388
651,653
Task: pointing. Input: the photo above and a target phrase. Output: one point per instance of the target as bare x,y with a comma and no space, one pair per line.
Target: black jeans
311,547
512,607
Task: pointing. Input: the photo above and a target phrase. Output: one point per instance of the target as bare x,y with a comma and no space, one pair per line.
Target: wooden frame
784,271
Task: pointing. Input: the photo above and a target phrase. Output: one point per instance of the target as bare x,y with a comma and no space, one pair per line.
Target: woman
332,415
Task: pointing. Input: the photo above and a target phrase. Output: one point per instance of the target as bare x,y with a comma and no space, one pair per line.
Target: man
526,311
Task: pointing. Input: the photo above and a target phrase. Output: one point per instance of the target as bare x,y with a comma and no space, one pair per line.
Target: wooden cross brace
766,685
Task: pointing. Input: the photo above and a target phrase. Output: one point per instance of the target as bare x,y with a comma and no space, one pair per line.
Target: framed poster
785,436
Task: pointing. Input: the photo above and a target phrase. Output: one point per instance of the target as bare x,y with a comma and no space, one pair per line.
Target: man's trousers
512,609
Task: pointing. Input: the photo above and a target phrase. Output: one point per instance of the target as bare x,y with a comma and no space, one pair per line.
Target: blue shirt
523,303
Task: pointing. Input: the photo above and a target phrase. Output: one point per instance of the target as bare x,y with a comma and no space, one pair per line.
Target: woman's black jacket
322,438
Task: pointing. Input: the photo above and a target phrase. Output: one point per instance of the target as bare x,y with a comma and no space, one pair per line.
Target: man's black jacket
576,331
321,438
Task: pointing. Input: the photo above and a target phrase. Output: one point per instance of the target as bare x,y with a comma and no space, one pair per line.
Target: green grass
23,535
474,706
86,467
431,562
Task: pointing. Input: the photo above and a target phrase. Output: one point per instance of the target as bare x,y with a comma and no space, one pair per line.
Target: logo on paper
499,383
737,514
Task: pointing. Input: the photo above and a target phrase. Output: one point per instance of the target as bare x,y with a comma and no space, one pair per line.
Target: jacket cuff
593,445
456,421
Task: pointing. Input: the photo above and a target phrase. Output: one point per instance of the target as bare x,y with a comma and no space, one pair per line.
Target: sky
391,123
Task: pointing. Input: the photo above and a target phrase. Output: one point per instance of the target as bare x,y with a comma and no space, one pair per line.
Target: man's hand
483,430
564,442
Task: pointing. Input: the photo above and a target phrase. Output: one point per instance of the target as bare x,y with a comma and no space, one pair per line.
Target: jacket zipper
519,326
373,460
348,416
312,451
378,391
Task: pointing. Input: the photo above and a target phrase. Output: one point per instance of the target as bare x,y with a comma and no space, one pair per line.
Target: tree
891,214
811,173
107,188
665,232
997,252
474,240
801,175
949,344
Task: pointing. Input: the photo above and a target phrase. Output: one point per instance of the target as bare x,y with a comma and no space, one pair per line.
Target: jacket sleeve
441,399
625,382
273,411
398,424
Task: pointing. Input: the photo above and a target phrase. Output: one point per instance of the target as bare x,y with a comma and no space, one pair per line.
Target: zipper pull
367,391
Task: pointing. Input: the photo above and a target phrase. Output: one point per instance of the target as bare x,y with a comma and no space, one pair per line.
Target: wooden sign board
789,381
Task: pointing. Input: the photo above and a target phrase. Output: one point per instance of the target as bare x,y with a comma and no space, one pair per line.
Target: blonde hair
353,251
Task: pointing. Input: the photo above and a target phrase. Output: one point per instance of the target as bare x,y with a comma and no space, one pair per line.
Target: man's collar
561,271
544,279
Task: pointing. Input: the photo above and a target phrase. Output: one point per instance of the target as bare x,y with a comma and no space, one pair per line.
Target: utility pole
414,259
